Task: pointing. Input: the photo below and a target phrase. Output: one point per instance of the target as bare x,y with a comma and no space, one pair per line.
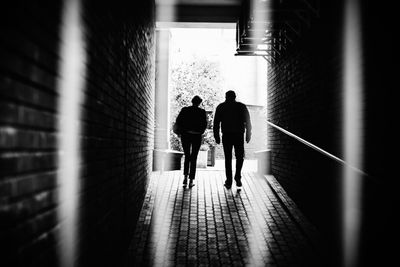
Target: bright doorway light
247,76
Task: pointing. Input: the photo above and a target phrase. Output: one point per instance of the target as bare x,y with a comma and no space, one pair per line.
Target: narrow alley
89,176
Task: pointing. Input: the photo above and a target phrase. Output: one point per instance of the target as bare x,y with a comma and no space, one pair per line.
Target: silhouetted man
192,122
234,119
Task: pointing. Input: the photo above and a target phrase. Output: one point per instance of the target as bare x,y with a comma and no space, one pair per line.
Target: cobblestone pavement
209,225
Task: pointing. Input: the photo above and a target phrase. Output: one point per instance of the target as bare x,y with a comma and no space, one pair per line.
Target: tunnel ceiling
207,11
264,27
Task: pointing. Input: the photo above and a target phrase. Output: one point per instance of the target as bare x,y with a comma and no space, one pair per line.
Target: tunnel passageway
80,125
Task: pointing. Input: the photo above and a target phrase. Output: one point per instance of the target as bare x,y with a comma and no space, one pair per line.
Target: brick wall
304,97
307,106
117,122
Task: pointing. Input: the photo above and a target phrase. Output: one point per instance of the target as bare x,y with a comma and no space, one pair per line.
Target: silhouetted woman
192,122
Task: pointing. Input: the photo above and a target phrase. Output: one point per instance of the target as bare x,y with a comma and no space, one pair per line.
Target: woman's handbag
176,129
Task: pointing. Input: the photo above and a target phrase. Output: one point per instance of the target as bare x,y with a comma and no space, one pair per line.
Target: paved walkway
208,225
248,165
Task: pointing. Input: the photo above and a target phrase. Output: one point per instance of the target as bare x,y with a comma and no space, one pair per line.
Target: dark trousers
236,141
191,145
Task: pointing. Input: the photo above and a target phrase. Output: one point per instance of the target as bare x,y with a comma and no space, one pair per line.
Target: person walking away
192,122
234,120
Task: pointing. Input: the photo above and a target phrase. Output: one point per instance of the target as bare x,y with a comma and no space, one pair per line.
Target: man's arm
247,124
217,122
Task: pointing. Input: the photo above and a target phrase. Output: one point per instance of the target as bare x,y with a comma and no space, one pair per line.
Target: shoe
191,184
227,186
185,181
238,185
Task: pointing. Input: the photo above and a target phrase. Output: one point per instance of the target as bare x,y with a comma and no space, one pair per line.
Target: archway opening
199,59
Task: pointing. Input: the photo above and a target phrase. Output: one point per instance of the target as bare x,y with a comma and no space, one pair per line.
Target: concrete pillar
162,132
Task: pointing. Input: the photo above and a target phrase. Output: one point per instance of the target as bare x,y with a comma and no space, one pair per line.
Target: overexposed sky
246,75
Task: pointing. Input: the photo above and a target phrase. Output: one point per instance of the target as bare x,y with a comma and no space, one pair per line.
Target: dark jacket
233,117
192,119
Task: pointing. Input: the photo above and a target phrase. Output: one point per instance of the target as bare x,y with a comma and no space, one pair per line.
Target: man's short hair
230,95
196,100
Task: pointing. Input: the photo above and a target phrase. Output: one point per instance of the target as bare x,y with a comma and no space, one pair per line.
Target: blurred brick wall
117,121
305,97
28,135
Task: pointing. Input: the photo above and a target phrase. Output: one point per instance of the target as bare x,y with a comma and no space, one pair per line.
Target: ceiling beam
198,13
